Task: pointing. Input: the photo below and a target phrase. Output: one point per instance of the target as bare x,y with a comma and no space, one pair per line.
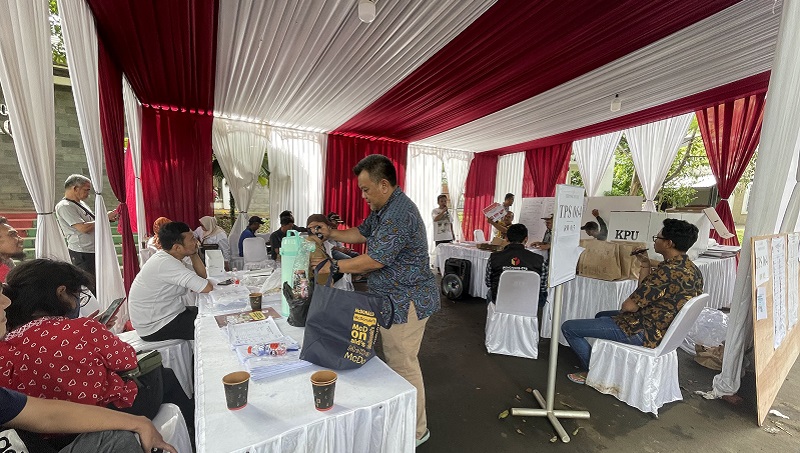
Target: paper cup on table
236,385
324,384
255,301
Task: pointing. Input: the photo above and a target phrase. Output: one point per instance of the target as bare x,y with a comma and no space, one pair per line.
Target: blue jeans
576,331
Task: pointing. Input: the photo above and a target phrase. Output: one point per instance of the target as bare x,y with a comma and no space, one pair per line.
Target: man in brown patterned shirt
646,314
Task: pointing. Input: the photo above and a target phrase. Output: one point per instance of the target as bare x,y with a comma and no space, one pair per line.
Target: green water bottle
290,245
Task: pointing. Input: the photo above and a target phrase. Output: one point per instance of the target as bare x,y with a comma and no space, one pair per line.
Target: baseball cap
548,217
255,219
590,226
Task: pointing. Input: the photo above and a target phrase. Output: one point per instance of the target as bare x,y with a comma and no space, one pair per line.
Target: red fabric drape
528,187
176,165
341,188
479,193
480,72
112,126
731,131
548,166
130,187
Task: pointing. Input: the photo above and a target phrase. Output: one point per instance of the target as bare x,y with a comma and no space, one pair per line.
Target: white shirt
443,228
68,213
156,293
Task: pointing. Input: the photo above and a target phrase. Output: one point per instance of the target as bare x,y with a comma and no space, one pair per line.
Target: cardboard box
600,260
629,265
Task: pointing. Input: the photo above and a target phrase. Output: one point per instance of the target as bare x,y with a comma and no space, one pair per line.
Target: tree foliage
57,38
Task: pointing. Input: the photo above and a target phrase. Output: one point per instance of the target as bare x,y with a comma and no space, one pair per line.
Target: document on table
257,332
779,290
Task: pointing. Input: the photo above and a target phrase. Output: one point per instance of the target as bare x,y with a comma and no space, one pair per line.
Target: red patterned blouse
68,359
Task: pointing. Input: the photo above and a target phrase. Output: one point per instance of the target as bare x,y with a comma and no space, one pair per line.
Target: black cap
255,219
590,226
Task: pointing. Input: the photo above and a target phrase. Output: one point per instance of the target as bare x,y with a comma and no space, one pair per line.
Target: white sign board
531,211
605,205
642,226
564,248
761,249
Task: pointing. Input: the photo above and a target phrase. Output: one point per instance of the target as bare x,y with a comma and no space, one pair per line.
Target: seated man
513,257
155,300
597,230
275,239
647,313
253,225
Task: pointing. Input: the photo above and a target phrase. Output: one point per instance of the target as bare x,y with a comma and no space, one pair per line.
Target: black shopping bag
342,327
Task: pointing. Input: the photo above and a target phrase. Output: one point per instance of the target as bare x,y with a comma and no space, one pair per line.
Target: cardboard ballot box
642,226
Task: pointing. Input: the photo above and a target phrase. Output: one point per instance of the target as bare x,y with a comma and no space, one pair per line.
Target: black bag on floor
342,327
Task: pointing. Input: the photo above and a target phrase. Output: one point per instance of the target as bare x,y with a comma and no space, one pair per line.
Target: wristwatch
334,266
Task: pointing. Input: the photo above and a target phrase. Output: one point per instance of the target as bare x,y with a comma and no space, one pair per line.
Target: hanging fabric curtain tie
98,193
44,213
242,212
723,199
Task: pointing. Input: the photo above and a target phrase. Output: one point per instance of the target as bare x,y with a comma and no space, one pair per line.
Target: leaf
503,414
576,430
554,439
517,397
529,390
519,431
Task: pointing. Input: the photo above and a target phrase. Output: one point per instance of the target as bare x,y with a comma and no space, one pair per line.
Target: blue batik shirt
396,238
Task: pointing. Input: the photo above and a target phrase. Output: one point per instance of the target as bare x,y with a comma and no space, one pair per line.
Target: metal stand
547,406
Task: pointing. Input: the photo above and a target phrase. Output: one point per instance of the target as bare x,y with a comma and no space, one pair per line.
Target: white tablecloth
374,410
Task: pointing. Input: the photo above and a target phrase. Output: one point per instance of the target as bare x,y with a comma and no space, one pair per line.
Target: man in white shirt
442,223
155,301
77,221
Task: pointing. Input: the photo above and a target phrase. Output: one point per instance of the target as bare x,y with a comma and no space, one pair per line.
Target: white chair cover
215,263
644,378
144,255
255,253
171,425
175,354
512,327
479,236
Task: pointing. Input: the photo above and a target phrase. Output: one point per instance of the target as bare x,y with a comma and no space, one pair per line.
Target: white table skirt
374,410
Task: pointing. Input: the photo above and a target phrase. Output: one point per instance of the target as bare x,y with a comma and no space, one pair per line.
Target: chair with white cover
479,236
512,327
144,255
171,425
255,253
178,355
644,378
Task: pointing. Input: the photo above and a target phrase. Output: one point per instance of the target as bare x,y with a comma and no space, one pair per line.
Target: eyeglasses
84,296
659,237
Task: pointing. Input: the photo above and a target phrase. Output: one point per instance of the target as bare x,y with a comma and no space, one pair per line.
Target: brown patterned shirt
660,296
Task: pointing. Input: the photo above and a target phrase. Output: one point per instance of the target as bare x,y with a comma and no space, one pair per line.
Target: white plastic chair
479,236
255,253
175,354
512,327
171,425
641,377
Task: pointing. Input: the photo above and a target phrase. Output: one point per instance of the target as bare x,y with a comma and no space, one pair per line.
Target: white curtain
653,148
778,152
424,184
297,175
80,40
26,75
240,148
510,170
133,119
456,167
594,155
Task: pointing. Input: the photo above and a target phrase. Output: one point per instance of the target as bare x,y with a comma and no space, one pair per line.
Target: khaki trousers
400,348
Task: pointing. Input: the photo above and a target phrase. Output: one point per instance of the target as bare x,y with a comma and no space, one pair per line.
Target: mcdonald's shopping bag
342,327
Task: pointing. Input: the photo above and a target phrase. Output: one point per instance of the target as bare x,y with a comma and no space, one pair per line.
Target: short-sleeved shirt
68,359
70,213
11,404
396,238
660,296
156,295
443,228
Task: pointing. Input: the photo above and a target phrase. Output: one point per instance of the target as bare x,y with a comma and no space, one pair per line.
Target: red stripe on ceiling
517,50
741,88
167,49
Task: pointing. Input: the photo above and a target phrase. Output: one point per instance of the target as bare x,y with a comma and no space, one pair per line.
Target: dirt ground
467,389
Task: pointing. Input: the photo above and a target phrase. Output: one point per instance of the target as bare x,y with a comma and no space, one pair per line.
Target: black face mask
75,312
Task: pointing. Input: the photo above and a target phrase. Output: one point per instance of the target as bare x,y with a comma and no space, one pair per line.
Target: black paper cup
255,301
324,385
236,385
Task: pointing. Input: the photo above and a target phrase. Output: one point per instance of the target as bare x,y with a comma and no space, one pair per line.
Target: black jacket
512,257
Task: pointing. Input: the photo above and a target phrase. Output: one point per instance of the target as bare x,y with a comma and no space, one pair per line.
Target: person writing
645,315
398,266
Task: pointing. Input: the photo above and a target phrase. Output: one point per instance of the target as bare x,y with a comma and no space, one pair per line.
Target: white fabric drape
733,44
424,184
240,148
26,75
133,119
297,175
653,148
456,167
778,153
510,170
594,155
80,40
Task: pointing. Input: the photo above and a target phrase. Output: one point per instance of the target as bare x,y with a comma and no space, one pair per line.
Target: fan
452,287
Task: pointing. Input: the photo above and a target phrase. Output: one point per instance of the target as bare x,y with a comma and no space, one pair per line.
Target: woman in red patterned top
49,352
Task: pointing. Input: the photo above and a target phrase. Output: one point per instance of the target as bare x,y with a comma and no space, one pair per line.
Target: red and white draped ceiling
478,76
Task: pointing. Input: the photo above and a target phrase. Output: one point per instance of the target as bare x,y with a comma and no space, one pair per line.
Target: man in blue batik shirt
398,268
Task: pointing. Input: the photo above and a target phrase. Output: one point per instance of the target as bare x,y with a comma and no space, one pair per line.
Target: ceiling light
616,103
366,10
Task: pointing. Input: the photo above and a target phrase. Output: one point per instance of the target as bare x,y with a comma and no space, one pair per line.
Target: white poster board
642,226
565,246
531,211
607,205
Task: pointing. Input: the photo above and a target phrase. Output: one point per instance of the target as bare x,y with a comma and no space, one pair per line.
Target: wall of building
70,158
